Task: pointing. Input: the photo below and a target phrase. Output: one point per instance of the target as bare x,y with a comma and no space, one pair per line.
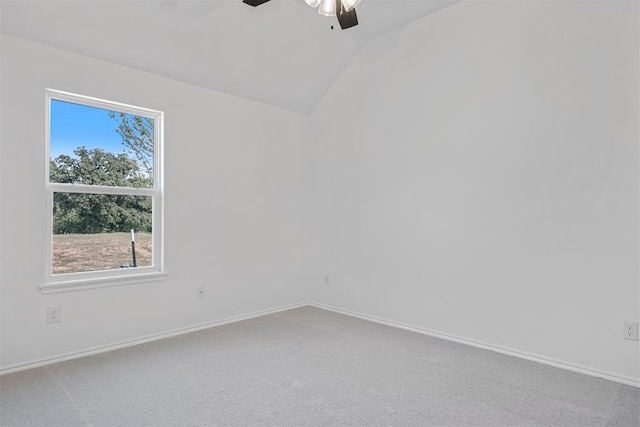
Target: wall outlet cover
630,331
53,314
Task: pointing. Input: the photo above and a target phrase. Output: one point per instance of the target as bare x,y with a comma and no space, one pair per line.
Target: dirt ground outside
74,253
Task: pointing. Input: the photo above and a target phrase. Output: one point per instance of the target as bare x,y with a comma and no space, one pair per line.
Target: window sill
80,284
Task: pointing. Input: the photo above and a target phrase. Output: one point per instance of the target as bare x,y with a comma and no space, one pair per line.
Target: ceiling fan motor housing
254,3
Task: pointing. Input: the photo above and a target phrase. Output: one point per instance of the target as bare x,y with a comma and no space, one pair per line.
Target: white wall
475,173
237,231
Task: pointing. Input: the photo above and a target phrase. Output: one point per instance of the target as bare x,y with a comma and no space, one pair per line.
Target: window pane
92,232
94,146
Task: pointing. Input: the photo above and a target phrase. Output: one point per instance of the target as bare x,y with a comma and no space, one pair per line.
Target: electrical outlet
630,331
327,280
201,292
53,314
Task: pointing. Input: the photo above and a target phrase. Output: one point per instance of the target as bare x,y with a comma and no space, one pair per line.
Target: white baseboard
154,337
148,338
635,382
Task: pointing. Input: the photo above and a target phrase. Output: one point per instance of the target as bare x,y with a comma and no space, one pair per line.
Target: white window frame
96,279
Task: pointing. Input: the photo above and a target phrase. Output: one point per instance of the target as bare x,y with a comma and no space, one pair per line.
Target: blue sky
73,125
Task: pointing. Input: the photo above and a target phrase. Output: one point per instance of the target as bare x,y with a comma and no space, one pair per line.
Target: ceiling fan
344,10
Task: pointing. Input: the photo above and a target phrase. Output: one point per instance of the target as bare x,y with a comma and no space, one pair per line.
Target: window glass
92,232
94,146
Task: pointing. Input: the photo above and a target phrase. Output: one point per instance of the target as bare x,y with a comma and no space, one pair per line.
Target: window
104,193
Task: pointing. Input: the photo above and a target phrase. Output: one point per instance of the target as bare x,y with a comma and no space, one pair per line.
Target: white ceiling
281,53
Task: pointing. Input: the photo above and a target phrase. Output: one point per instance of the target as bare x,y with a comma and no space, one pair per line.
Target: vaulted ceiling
281,53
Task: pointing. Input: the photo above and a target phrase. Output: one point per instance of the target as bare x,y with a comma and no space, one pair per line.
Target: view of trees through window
93,148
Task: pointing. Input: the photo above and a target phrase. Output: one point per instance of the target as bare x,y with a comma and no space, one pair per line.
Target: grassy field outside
74,253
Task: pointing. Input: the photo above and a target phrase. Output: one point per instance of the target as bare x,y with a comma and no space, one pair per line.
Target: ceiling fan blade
346,18
254,3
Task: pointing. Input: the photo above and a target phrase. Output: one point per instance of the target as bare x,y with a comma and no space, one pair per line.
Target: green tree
98,213
137,137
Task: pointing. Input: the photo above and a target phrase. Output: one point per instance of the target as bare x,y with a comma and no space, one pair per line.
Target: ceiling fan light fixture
327,7
350,4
